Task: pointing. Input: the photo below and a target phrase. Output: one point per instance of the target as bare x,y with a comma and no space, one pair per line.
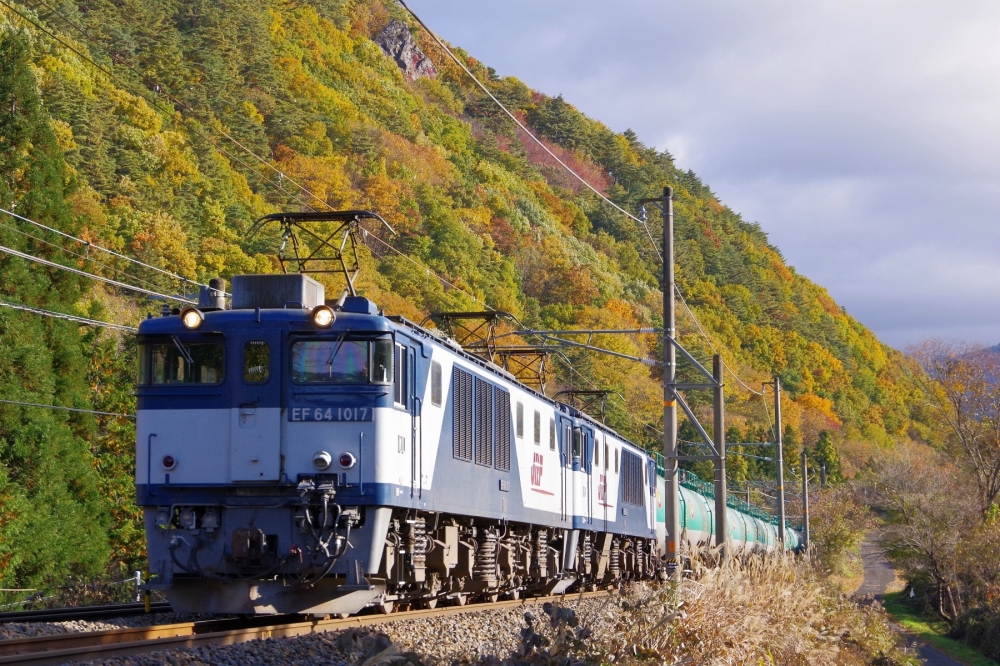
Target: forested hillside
164,129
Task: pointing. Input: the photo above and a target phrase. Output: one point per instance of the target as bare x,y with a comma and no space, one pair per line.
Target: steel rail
83,612
84,646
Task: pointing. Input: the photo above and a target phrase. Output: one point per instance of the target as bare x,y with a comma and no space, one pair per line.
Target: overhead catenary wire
189,109
510,115
94,246
181,103
115,283
85,257
67,317
565,166
308,192
66,409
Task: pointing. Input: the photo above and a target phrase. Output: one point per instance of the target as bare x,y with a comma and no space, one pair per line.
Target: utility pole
719,435
672,399
805,502
779,463
670,462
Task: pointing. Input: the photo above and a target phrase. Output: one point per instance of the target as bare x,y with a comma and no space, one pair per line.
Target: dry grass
765,611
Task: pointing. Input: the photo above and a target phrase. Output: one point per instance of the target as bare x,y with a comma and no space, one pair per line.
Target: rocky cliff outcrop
396,40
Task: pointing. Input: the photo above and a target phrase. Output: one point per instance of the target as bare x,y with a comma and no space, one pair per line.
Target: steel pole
672,488
719,427
780,463
805,502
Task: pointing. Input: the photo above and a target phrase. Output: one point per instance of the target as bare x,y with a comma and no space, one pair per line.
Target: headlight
192,318
323,316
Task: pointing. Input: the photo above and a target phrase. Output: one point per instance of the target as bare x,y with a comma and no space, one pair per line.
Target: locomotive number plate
330,413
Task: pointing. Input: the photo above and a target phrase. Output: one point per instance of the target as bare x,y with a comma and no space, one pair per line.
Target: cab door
255,432
565,431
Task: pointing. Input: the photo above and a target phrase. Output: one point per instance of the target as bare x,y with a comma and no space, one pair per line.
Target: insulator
485,568
417,542
614,566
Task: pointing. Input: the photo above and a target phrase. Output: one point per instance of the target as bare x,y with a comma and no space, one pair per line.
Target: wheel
386,607
461,599
431,603
492,597
515,594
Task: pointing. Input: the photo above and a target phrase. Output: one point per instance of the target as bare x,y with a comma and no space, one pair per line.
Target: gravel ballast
464,637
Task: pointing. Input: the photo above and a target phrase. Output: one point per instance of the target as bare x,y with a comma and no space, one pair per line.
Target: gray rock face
396,40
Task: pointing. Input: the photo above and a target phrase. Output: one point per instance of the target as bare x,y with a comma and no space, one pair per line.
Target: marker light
192,318
210,520
346,460
322,459
169,462
187,518
323,316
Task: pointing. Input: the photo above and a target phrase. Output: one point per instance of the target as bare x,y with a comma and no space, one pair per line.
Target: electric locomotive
300,456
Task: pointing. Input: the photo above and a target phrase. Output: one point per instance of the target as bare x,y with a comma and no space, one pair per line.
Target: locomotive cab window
402,376
382,361
435,383
341,361
577,442
176,362
256,362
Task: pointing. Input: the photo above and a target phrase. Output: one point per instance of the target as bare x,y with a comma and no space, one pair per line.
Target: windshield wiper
336,350
185,352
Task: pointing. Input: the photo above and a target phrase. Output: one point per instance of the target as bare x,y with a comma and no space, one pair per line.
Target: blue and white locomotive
294,457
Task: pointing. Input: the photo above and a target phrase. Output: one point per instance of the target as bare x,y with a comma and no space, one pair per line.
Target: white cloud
864,137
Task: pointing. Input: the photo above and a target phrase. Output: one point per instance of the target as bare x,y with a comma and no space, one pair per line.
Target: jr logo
536,470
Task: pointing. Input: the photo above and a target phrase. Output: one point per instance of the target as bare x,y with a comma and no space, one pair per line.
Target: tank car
294,456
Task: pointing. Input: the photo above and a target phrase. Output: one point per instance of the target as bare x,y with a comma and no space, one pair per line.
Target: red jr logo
536,470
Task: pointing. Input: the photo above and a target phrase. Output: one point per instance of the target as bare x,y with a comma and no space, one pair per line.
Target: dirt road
879,574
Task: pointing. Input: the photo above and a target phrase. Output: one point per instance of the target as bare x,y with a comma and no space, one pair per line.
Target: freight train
300,456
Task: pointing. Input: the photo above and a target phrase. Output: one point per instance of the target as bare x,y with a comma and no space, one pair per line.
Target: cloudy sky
864,137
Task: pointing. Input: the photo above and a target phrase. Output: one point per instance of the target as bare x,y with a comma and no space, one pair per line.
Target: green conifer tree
51,523
825,453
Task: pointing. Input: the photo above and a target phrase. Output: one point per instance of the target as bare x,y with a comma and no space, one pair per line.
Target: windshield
342,361
175,362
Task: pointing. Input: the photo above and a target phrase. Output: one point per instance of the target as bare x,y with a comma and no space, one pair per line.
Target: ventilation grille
503,429
484,423
462,425
633,489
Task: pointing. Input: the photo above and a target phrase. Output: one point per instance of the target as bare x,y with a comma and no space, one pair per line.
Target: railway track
83,612
85,646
